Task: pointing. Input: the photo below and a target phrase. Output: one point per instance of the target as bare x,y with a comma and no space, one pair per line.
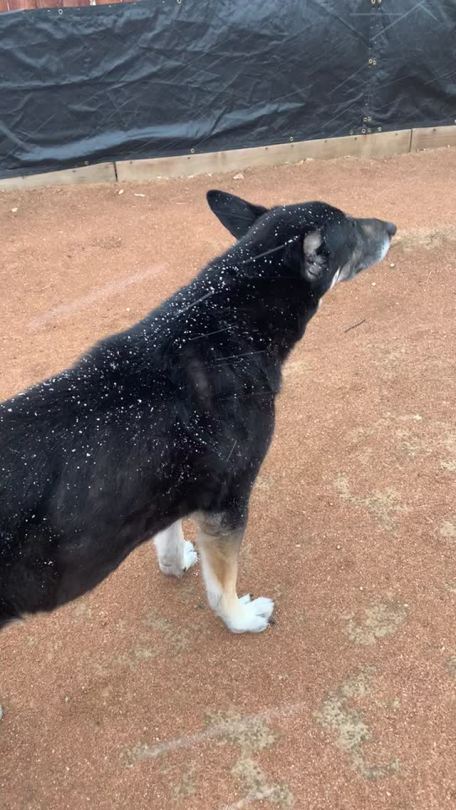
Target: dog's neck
269,293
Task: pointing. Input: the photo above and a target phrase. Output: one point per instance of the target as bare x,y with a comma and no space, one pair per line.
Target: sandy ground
135,696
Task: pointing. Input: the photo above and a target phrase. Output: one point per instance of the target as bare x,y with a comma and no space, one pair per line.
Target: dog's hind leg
219,544
175,555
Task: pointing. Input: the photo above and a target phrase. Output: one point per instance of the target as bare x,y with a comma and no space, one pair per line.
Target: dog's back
139,433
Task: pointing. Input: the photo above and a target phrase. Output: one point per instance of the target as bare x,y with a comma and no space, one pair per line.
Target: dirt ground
135,696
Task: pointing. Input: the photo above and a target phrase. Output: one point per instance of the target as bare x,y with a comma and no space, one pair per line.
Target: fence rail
30,5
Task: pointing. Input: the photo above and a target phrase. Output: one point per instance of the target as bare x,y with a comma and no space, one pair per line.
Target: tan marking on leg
220,565
219,548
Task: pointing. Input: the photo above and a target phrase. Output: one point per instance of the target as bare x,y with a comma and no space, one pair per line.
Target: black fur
172,416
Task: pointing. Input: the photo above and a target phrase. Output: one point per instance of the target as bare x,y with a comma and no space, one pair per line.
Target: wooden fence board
21,5
433,137
28,5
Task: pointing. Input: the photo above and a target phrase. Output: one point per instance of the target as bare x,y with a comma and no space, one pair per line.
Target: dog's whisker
194,303
231,451
209,334
237,356
268,252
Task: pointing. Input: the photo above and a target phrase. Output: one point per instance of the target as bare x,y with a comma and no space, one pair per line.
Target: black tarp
162,77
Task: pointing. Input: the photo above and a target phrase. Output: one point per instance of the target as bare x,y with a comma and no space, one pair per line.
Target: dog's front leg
175,555
219,539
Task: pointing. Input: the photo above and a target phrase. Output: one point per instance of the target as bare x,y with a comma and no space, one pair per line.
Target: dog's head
327,245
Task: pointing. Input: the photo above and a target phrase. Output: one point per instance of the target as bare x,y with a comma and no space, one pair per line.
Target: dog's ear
235,214
314,257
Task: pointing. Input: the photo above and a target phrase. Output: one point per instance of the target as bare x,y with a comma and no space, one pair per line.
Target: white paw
175,568
190,555
251,616
170,569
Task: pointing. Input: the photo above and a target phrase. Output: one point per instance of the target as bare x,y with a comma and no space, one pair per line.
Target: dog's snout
391,228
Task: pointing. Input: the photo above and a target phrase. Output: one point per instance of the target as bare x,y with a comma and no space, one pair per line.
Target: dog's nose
391,228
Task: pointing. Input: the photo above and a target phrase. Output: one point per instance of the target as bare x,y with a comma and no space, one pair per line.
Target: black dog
171,418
